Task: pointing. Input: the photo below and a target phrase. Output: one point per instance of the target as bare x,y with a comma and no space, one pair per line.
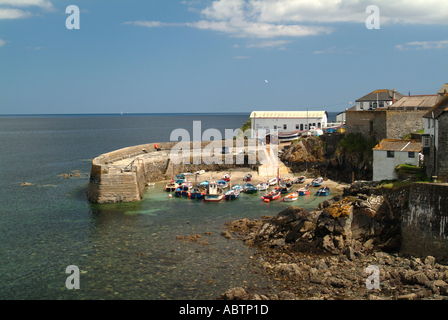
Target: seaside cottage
390,153
435,138
287,121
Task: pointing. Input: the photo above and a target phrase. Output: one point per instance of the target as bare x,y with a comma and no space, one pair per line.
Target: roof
399,145
420,101
438,109
287,114
442,90
381,95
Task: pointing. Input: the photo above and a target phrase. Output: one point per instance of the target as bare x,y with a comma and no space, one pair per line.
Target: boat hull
213,197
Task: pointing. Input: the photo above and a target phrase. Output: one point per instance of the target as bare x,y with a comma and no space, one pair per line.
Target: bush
356,143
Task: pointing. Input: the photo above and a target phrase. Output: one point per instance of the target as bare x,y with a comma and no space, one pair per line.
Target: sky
193,56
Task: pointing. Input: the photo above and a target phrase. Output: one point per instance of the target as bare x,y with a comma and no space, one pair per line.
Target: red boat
273,195
226,177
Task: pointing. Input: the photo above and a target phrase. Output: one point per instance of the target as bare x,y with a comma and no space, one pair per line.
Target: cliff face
318,157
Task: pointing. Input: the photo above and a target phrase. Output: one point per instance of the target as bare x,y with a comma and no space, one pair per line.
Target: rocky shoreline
347,248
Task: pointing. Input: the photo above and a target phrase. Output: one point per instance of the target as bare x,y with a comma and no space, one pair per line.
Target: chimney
393,97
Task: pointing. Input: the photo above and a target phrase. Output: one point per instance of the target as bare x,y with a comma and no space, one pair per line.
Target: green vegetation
407,174
247,125
356,143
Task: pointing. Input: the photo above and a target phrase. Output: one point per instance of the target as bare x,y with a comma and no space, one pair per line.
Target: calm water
124,251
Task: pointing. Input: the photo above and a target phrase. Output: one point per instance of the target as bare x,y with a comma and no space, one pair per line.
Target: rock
288,269
235,294
339,283
350,254
286,295
430,260
410,296
226,234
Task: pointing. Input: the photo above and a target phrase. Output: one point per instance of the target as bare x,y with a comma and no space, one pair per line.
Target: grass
415,174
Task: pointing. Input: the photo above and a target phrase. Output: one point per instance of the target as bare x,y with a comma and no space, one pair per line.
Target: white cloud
27,3
423,45
14,14
2,42
268,44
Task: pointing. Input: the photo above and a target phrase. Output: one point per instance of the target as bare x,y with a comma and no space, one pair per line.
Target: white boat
200,172
214,193
263,186
272,181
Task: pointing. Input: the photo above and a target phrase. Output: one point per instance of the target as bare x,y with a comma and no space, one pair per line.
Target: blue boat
322,192
222,184
250,188
317,182
197,193
232,194
205,183
182,191
238,187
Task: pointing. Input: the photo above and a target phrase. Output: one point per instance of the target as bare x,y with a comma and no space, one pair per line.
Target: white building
390,153
287,121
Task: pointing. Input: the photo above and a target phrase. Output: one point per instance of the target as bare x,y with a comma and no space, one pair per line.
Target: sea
129,251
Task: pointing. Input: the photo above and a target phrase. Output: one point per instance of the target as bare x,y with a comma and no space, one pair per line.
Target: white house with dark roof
377,99
390,153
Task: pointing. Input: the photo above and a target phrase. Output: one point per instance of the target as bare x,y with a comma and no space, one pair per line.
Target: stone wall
424,225
442,163
400,123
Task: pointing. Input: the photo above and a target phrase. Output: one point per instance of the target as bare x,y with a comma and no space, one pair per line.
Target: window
411,154
301,126
429,123
297,127
390,154
306,126
285,127
381,104
275,127
318,124
426,141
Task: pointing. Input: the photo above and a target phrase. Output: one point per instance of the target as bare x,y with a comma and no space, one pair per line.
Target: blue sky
215,56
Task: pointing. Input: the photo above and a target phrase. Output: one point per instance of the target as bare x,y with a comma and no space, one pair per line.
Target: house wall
442,146
384,167
269,123
359,122
401,122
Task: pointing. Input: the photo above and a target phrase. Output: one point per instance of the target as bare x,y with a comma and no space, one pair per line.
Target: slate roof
381,95
438,109
399,145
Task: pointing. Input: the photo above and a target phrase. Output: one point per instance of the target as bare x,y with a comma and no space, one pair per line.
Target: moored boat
285,188
238,187
304,191
273,195
322,192
223,184
226,177
263,186
247,178
182,191
317,182
200,172
197,192
272,181
300,180
291,197
250,188
214,192
204,183
232,194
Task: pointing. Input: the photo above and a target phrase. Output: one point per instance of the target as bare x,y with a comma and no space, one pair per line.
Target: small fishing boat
197,193
223,184
250,188
214,193
300,180
317,182
322,192
263,186
272,181
204,183
200,172
288,136
232,194
182,191
187,173
284,187
289,183
171,186
226,177
273,195
291,197
180,177
238,187
304,191
247,178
